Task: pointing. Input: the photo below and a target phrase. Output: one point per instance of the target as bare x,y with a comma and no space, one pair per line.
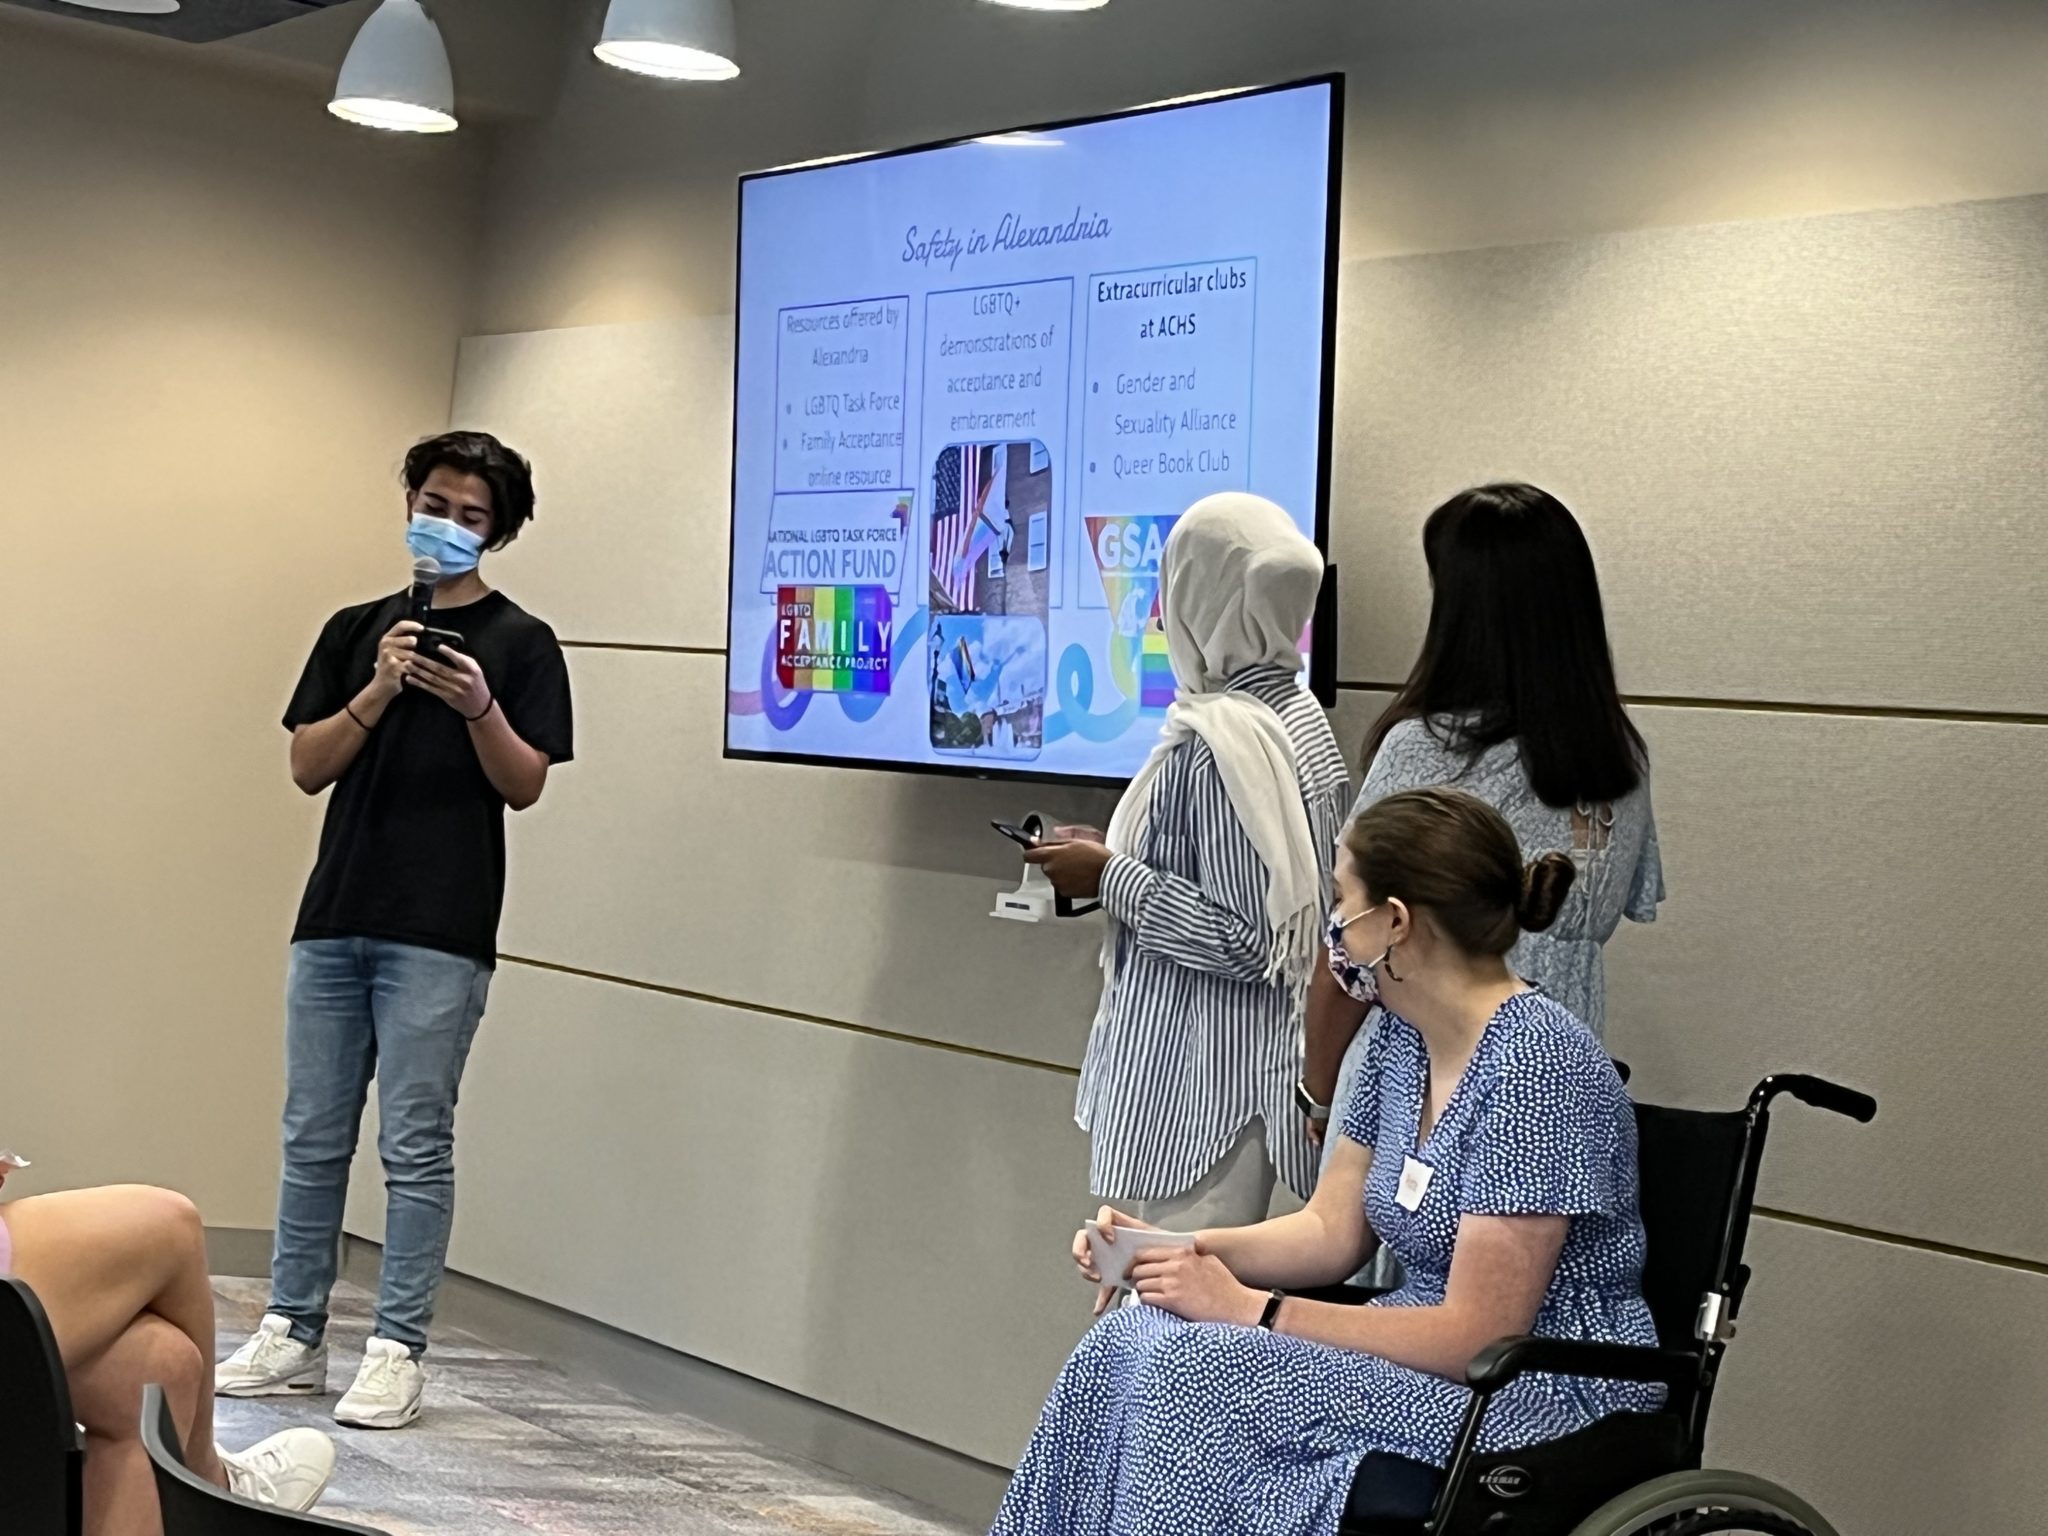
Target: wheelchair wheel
1706,1503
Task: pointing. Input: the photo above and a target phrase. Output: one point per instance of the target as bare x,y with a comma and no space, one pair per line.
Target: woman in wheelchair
1488,1143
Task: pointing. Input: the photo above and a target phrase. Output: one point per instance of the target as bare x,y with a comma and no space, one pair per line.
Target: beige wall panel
1670,385
630,431
1488,122
852,895
1900,1392
1807,453
1856,898
877,1225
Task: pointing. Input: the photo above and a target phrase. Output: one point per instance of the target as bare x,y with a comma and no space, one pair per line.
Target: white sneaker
387,1390
272,1364
287,1471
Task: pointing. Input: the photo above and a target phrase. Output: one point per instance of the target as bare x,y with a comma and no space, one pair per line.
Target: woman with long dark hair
1514,699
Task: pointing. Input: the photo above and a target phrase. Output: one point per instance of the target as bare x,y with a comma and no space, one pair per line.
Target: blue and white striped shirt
1192,1043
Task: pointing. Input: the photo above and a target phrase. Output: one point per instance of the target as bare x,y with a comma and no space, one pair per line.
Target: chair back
1694,1192
194,1507
42,1453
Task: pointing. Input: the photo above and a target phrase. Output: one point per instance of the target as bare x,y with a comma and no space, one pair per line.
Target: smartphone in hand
434,641
1016,834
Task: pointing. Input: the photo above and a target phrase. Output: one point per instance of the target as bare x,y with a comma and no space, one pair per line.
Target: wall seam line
1643,700
633,645
790,1015
1791,707
1901,1240
1771,1213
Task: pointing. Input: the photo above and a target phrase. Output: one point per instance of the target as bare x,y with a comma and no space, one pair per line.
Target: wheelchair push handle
1821,1094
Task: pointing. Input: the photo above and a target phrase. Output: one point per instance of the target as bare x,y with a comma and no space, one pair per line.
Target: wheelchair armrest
1504,1360
1818,1092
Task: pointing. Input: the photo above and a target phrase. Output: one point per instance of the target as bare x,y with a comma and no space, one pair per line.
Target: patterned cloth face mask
1357,980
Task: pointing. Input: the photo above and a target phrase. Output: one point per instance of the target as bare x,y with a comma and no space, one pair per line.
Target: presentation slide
976,386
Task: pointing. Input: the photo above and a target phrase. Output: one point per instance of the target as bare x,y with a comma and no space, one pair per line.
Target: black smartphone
1016,835
433,640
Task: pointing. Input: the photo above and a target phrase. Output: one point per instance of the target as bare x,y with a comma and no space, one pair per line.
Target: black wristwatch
1272,1309
1307,1104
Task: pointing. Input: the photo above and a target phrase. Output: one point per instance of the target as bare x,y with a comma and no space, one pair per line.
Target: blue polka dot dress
1160,1426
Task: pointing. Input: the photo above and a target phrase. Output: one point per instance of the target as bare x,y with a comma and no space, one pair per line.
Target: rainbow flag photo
833,639
1155,671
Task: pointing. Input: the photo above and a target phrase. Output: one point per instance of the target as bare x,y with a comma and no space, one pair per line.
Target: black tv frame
1323,642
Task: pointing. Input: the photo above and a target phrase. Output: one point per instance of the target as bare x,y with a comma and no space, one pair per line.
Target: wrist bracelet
1272,1312
350,711
489,704
1310,1105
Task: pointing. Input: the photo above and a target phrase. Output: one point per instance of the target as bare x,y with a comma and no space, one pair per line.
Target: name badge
1415,1177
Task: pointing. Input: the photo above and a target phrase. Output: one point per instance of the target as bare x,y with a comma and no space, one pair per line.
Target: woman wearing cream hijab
1215,874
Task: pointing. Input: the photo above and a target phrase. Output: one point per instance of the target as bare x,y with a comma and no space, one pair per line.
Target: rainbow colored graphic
833,639
1155,671
1127,551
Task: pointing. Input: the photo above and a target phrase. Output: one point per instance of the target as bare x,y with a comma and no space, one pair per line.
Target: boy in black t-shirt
397,935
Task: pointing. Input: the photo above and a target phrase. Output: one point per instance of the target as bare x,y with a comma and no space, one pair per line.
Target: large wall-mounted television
975,385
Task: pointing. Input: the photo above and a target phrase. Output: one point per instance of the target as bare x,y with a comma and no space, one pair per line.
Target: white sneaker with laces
387,1390
287,1471
272,1364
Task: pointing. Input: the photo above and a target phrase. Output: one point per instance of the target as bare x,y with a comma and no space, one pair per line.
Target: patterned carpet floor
510,1445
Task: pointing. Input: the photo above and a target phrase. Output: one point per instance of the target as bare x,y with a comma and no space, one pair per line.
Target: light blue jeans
355,1008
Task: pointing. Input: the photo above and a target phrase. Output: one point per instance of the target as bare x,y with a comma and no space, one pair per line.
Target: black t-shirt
413,848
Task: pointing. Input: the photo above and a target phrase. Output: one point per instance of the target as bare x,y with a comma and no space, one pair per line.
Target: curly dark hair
508,475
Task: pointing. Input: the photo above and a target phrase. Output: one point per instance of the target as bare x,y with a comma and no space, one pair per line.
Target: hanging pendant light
672,39
1052,5
128,7
396,73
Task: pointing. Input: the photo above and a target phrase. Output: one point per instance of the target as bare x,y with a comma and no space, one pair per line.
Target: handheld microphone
426,575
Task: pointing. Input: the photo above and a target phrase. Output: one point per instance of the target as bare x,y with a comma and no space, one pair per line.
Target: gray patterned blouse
1620,875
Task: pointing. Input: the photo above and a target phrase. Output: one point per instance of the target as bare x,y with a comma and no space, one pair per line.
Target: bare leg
99,1259
120,1489
106,1395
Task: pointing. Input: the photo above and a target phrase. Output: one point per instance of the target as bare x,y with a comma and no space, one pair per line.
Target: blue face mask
450,543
